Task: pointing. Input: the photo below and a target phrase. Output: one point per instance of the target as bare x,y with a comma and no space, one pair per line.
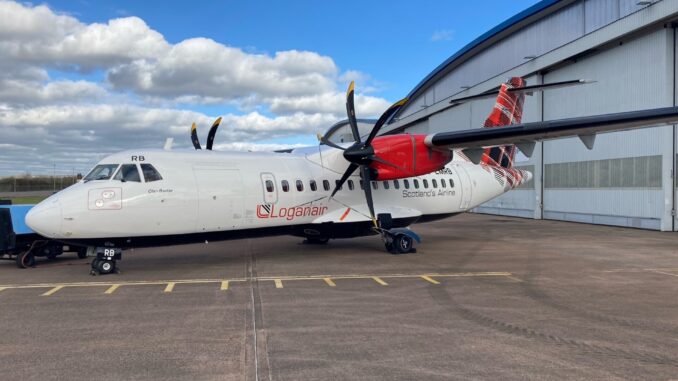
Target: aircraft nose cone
45,218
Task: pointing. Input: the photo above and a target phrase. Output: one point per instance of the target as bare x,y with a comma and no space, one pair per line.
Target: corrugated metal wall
627,179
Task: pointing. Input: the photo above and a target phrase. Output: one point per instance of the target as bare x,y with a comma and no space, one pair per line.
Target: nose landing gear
106,261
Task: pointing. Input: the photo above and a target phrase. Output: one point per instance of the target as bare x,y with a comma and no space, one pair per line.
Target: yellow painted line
429,279
279,278
278,283
112,289
3,288
329,282
170,286
380,281
52,291
514,278
224,285
665,273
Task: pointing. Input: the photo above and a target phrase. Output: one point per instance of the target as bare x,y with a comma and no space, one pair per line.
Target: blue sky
390,41
83,79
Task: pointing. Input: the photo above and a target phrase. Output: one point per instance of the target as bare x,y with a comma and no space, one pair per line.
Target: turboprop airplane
378,185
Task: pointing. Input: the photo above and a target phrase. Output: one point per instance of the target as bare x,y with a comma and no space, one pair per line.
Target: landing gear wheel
25,259
403,243
82,252
105,267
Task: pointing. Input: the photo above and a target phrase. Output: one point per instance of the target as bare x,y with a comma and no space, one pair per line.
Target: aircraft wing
525,135
360,213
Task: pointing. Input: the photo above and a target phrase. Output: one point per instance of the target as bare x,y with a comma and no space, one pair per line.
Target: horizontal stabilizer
530,132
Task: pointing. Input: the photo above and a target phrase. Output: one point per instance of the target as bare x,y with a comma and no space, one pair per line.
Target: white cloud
442,35
73,122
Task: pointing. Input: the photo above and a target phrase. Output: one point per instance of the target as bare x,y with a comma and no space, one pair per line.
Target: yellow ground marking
170,286
665,273
52,291
224,285
429,279
380,281
278,283
231,281
329,282
514,278
3,288
112,289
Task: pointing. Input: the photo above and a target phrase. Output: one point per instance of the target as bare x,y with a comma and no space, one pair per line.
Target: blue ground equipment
19,243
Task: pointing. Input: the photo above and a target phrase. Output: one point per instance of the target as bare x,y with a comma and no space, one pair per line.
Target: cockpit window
101,172
128,172
150,173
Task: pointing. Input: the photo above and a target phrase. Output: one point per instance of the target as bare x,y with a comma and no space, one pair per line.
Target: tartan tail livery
508,109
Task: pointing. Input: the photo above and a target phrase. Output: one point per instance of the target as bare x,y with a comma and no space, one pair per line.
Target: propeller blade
367,182
329,143
350,111
383,118
349,171
212,133
194,136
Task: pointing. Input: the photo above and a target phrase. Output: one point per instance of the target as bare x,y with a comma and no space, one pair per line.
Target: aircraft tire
105,267
25,259
403,243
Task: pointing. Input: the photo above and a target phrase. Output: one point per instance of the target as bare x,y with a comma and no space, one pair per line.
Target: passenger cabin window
406,182
435,183
416,183
336,184
385,184
300,186
443,183
362,185
396,184
425,183
451,183
269,186
128,172
313,185
350,185
285,186
150,173
375,186
326,185
101,172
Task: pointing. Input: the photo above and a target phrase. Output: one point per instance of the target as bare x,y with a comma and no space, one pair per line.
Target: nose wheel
106,261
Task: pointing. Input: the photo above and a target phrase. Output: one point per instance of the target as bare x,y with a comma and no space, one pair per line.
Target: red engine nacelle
409,153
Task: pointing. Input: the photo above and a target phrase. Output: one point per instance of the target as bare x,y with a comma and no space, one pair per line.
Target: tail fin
508,109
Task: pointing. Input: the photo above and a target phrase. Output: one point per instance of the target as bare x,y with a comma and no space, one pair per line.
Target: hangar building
629,48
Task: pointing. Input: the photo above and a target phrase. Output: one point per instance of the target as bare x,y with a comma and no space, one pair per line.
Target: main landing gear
396,240
105,261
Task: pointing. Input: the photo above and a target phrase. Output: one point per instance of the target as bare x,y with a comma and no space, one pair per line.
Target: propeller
210,135
361,153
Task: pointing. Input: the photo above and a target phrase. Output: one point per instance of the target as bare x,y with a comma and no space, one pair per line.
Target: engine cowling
409,153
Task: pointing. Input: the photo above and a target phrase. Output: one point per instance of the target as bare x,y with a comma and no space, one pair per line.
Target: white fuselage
203,193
